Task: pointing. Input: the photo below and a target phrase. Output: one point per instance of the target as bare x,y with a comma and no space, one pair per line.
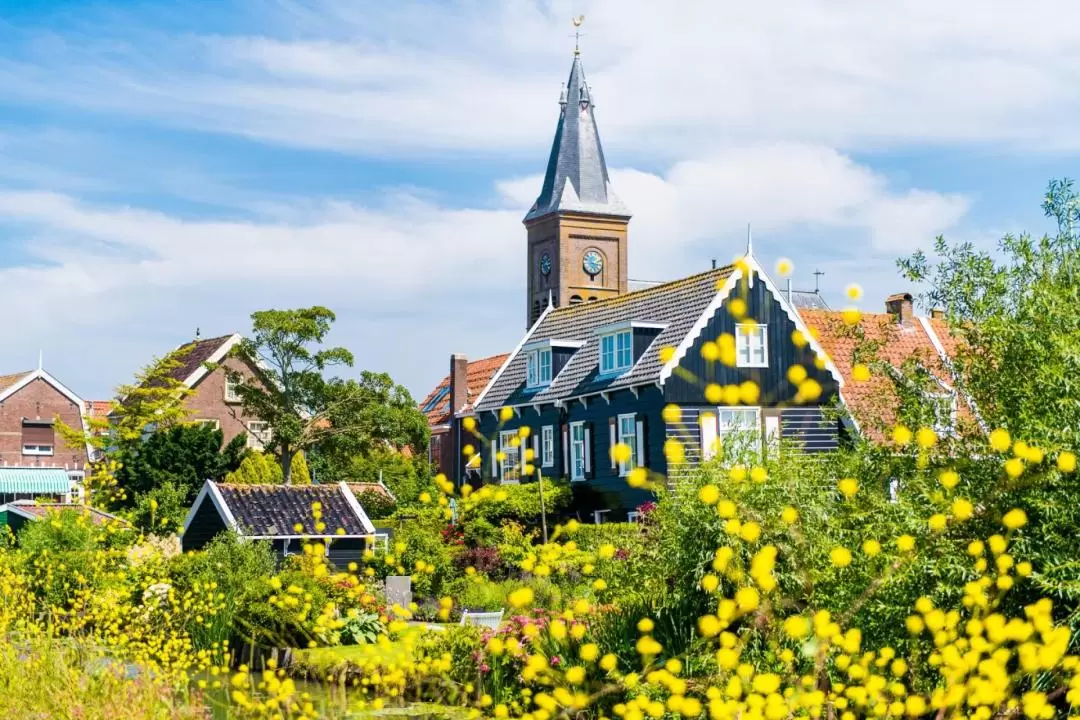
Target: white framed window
510,445
616,351
577,451
599,516
258,434
231,396
216,424
633,516
751,345
37,449
745,421
547,446
943,406
628,435
538,368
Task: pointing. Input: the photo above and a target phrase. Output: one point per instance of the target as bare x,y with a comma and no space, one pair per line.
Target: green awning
46,481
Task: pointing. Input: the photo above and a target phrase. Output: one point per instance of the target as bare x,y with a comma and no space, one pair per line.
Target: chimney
937,314
459,382
900,306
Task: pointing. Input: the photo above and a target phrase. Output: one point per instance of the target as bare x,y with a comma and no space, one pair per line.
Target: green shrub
522,503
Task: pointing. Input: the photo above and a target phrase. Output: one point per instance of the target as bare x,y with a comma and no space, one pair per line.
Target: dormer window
616,352
538,369
751,345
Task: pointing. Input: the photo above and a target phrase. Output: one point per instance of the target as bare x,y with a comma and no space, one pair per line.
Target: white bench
482,619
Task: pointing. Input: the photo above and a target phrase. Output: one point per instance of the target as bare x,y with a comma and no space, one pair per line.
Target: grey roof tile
677,304
577,175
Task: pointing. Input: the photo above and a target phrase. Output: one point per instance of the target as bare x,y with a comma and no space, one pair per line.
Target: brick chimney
937,314
900,306
459,382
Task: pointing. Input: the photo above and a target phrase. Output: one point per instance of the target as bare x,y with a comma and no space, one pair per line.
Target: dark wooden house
282,514
587,377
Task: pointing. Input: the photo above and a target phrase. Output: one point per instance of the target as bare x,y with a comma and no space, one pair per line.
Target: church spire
577,177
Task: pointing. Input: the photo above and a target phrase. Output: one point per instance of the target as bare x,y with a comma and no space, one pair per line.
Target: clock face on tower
545,264
592,263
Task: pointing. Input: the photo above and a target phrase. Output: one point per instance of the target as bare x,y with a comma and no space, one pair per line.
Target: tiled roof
873,403
98,408
577,176
359,489
274,510
807,299
677,305
42,510
7,381
478,375
194,354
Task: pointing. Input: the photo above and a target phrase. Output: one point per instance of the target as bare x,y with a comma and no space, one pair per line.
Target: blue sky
172,166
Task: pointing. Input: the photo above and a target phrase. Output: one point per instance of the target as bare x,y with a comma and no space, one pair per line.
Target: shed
15,515
282,514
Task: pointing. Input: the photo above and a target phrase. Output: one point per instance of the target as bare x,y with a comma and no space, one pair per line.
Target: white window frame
538,368
230,391
633,516
575,445
724,428
547,446
598,516
510,467
37,449
744,332
626,431
614,361
943,426
208,421
258,439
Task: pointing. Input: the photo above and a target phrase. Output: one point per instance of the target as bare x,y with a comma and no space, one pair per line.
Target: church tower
577,228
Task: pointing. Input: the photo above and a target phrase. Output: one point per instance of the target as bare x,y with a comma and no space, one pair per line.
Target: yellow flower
860,372
937,522
871,547
926,438
962,509
797,626
758,474
784,267
948,479
589,652
521,597
853,291
709,583
671,414
469,424
840,557
1000,440
599,585
645,625
905,543
1066,462
620,452
796,374
575,675
637,478
747,599
609,662
709,494
1014,467
750,532
1014,519
708,626
667,353
848,487
506,413
726,509
737,307
606,551
674,451
901,435
797,338
850,315
789,515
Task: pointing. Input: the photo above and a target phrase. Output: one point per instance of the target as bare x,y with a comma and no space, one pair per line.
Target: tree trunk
285,458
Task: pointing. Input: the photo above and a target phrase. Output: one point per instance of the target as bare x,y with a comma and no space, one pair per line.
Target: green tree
300,473
1015,312
405,477
257,469
184,455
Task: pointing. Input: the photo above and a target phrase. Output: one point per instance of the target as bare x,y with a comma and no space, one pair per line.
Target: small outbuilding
284,515
15,515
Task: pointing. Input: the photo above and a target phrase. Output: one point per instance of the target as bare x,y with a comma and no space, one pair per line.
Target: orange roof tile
878,336
98,408
478,375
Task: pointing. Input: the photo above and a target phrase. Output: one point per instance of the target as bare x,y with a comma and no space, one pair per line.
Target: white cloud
411,279
393,79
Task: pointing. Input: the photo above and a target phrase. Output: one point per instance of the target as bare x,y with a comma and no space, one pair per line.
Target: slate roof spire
577,176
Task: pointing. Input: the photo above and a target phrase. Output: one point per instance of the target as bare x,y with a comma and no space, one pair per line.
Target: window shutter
614,440
587,427
707,423
642,456
494,460
565,452
37,434
537,460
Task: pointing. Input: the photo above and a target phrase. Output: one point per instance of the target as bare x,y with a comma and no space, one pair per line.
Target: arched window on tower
575,300
592,298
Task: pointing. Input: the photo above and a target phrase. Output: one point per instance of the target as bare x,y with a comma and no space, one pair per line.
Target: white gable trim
63,389
210,489
928,327
356,508
513,354
699,326
794,316
219,355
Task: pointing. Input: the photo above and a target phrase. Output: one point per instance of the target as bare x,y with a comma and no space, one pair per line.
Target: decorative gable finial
551,300
197,334
749,242
577,33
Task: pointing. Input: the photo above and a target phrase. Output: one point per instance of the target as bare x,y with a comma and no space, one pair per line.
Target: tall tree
155,401
291,393
1017,313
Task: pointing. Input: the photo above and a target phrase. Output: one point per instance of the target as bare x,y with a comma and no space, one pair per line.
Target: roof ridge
661,287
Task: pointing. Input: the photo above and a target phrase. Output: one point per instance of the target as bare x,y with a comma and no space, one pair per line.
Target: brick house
451,401
212,398
30,402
